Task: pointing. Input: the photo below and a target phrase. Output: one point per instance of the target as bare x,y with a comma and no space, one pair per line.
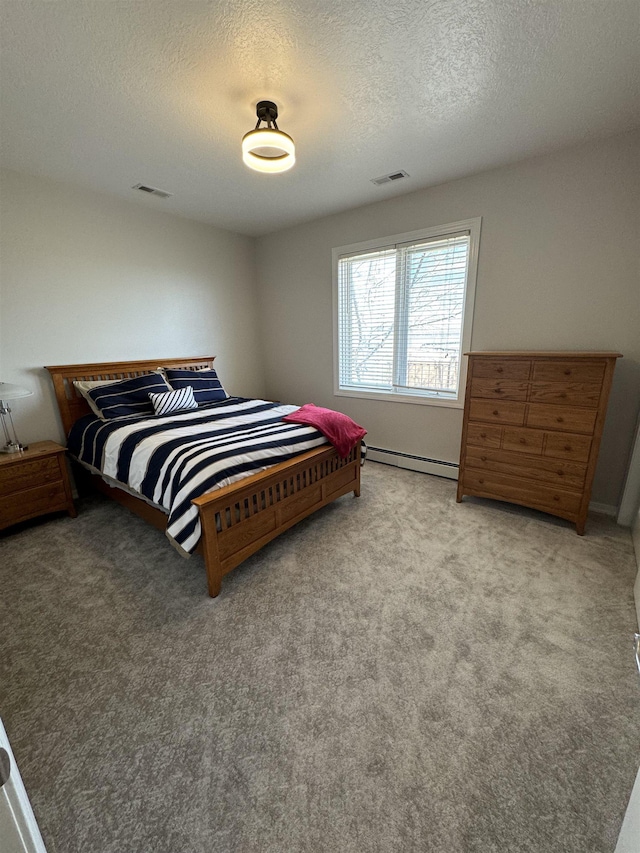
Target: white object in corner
629,838
18,828
629,515
630,503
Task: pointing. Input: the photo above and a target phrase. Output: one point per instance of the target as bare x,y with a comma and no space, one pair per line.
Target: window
404,307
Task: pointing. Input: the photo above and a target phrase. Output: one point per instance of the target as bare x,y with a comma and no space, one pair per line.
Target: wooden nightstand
34,482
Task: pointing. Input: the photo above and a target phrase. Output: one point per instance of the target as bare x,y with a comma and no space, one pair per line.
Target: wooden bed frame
241,518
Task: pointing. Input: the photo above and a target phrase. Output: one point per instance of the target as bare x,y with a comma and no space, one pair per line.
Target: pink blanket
341,431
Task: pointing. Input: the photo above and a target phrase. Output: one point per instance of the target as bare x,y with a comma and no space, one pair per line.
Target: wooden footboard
240,519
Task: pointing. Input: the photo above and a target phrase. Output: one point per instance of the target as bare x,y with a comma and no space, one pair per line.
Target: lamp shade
12,392
267,150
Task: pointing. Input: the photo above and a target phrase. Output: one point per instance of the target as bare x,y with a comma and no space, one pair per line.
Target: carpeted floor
397,673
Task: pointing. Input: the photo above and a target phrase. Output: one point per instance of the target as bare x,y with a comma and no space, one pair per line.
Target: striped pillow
173,401
128,397
207,388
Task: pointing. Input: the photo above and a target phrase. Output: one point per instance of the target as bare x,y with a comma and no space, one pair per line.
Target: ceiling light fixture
267,149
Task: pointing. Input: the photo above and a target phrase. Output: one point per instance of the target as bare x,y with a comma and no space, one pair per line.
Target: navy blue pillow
207,388
129,397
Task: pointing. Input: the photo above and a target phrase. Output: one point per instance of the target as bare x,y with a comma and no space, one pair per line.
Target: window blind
367,319
400,314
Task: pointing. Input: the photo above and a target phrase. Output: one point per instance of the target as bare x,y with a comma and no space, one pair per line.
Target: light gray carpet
397,673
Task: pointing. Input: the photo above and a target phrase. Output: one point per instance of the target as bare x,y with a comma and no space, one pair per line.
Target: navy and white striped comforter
171,459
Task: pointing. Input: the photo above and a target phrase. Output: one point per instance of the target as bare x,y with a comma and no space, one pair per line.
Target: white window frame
425,398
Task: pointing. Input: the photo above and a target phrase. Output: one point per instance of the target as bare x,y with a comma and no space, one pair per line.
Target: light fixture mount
267,111
268,149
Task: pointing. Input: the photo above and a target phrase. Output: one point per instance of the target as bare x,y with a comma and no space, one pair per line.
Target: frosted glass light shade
13,392
10,392
267,150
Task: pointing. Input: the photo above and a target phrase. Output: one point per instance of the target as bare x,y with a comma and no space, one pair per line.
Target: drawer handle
567,373
481,482
499,370
483,435
563,396
567,447
496,412
498,390
560,420
483,458
523,441
556,498
560,473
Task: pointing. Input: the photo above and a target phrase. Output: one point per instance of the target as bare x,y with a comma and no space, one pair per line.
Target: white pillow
163,373
173,401
83,386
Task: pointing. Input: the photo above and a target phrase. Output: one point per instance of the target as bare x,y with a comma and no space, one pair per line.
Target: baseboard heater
414,463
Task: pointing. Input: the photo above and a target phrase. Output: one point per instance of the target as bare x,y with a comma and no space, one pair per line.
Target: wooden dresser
532,428
34,482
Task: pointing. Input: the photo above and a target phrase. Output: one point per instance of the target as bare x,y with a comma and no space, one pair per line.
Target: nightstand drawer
27,474
32,502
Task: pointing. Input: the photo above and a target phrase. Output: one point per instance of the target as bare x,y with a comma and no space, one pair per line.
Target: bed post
210,553
356,491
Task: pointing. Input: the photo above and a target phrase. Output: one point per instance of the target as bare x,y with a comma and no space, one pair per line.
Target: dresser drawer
537,495
567,475
568,371
561,418
497,412
566,393
482,435
521,440
484,368
36,472
566,446
499,389
32,502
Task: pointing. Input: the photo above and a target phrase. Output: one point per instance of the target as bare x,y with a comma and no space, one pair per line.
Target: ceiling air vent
152,191
386,179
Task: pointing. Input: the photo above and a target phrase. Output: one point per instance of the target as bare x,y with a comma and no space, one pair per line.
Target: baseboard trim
422,464
603,509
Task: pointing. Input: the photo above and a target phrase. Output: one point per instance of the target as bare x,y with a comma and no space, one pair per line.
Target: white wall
86,277
635,532
558,269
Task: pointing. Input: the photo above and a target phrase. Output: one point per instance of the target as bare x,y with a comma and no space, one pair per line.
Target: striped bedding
171,459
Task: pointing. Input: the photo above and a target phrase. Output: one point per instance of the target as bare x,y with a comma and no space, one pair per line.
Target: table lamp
10,392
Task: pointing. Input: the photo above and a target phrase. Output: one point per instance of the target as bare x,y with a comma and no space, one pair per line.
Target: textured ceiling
106,94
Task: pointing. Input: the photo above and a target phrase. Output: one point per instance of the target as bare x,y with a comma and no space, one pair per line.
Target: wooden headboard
72,405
